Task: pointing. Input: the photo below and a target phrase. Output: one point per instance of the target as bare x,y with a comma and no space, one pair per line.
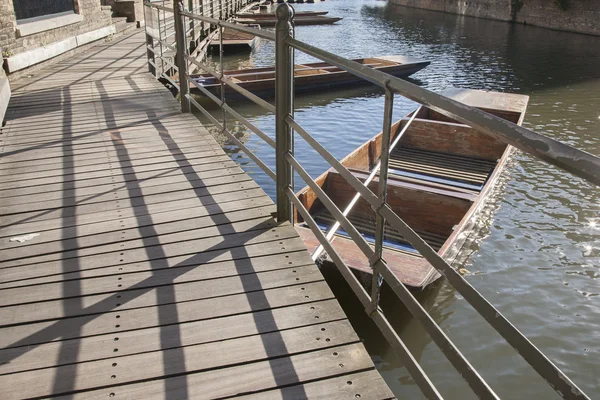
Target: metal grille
36,8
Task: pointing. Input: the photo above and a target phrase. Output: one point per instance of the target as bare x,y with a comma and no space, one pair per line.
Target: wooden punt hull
308,77
318,20
441,175
259,15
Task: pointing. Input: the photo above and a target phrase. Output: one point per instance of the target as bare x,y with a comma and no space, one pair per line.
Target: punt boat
309,20
308,77
441,173
264,15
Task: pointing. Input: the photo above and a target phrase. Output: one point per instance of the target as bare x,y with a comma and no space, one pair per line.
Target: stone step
124,26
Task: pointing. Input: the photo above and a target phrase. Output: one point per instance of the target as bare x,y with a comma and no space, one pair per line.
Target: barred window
36,8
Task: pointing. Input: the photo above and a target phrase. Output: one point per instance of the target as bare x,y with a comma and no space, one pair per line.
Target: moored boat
440,175
263,15
307,77
310,20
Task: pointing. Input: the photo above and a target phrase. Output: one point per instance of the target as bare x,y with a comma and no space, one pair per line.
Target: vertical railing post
375,260
150,54
284,107
192,26
179,22
160,47
149,18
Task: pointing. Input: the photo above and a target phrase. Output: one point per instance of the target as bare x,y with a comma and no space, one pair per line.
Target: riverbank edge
581,16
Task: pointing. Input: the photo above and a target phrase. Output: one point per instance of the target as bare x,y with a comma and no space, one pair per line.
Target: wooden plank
13,205
112,166
82,124
168,222
247,190
202,163
169,336
224,192
98,184
118,241
148,317
93,157
176,244
150,296
186,359
176,274
257,377
84,194
240,255
366,384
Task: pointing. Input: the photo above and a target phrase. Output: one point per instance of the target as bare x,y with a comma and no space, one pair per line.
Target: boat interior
437,171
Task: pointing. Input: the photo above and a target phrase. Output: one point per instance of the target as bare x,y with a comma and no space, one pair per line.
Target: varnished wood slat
15,206
168,336
132,228
257,377
148,317
82,194
247,190
119,240
148,297
94,157
98,184
364,384
179,360
239,255
224,192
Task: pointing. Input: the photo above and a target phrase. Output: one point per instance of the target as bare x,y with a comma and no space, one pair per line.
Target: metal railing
577,162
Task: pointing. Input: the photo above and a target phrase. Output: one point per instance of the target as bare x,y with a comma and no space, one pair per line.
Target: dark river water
537,259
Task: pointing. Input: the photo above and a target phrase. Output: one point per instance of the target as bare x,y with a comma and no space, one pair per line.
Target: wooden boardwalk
138,261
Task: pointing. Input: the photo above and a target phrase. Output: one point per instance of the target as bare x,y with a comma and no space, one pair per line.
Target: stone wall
92,19
582,16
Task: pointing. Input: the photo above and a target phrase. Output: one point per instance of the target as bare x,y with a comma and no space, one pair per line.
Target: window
25,9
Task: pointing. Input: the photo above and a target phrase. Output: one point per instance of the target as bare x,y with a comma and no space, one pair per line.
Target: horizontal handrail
577,162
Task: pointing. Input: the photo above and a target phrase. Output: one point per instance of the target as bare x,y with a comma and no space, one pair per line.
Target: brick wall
93,18
582,15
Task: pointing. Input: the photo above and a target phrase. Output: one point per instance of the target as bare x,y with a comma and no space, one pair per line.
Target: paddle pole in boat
371,176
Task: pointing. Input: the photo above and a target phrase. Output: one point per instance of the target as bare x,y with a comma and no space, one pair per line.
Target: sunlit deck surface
150,265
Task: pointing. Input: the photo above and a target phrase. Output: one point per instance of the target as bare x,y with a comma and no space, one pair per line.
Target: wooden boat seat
310,72
446,169
392,238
